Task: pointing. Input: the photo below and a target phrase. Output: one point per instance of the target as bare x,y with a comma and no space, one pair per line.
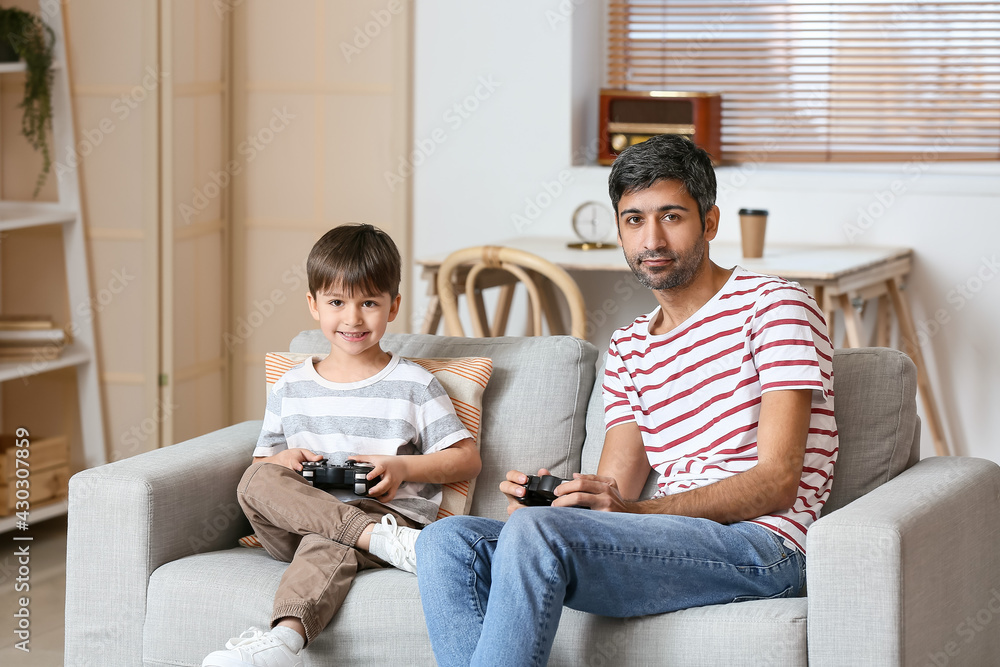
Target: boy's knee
259,473
263,470
248,476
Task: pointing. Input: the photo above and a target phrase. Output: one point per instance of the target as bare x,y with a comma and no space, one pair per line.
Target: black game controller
352,475
541,490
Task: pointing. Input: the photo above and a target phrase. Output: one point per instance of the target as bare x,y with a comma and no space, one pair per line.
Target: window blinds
803,80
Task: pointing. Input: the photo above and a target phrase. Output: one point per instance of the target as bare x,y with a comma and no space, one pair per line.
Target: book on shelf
30,352
30,337
25,322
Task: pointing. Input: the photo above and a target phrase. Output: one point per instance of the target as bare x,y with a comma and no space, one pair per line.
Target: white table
841,277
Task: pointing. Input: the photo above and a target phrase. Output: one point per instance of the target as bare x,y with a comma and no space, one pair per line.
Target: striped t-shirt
695,391
402,409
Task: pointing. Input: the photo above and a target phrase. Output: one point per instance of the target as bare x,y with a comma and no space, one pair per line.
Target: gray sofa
904,560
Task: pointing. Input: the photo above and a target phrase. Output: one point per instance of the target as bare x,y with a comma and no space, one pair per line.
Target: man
725,390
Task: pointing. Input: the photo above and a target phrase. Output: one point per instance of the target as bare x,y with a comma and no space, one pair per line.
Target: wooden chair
475,269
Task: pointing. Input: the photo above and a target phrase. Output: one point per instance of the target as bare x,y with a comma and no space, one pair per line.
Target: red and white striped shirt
695,391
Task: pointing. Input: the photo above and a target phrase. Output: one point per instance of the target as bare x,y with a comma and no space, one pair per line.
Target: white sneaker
256,648
394,544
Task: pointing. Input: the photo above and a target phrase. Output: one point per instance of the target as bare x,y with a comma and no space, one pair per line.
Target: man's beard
679,273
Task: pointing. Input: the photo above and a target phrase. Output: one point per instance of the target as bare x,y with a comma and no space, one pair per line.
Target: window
812,81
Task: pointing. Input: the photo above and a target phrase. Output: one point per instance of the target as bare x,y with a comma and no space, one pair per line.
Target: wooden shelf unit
81,354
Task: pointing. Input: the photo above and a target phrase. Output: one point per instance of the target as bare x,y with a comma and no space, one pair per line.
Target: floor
47,594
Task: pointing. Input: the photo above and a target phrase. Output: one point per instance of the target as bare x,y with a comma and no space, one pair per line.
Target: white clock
594,224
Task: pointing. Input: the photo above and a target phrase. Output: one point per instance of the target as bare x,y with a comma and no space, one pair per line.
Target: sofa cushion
534,407
594,442
761,632
463,378
876,411
194,604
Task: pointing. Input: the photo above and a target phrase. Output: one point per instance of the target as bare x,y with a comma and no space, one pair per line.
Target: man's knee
427,541
533,530
530,524
451,535
440,536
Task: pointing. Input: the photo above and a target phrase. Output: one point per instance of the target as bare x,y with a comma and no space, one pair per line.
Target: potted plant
32,41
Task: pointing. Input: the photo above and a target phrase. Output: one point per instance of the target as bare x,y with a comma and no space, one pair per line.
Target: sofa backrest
594,442
876,412
534,406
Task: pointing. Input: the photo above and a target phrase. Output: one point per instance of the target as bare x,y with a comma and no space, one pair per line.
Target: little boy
359,403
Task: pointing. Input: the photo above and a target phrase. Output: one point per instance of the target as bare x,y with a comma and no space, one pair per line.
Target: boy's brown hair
355,258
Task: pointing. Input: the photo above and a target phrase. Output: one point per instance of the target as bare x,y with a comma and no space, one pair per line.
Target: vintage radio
630,117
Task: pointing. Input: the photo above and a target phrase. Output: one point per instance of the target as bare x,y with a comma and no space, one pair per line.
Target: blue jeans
493,592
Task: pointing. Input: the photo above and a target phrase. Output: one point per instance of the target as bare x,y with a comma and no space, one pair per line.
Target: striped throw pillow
464,378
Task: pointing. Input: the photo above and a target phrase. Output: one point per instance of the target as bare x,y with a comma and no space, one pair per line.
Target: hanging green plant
32,40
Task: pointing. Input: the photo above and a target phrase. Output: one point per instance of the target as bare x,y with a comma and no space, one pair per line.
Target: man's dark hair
665,157
354,258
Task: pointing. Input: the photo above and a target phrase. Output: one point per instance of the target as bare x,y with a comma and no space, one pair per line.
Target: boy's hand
291,458
393,472
513,487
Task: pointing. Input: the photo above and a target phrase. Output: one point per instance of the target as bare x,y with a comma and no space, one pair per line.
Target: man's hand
393,472
513,487
291,458
594,491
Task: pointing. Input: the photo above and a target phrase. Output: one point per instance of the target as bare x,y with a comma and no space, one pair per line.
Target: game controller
351,475
541,489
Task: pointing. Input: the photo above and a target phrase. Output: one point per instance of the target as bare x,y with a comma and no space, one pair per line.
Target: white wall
523,135
337,72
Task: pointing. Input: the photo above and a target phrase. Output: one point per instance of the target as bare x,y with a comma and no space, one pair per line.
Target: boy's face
353,324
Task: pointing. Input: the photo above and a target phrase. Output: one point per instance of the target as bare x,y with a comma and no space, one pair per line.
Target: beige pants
316,534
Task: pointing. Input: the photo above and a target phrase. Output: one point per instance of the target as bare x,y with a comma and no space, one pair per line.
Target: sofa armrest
129,517
910,572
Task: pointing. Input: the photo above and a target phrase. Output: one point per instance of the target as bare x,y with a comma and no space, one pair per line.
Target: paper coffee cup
753,223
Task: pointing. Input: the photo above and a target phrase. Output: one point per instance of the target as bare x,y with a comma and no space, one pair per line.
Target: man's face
661,233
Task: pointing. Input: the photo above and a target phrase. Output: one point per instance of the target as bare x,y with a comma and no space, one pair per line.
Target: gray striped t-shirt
402,409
